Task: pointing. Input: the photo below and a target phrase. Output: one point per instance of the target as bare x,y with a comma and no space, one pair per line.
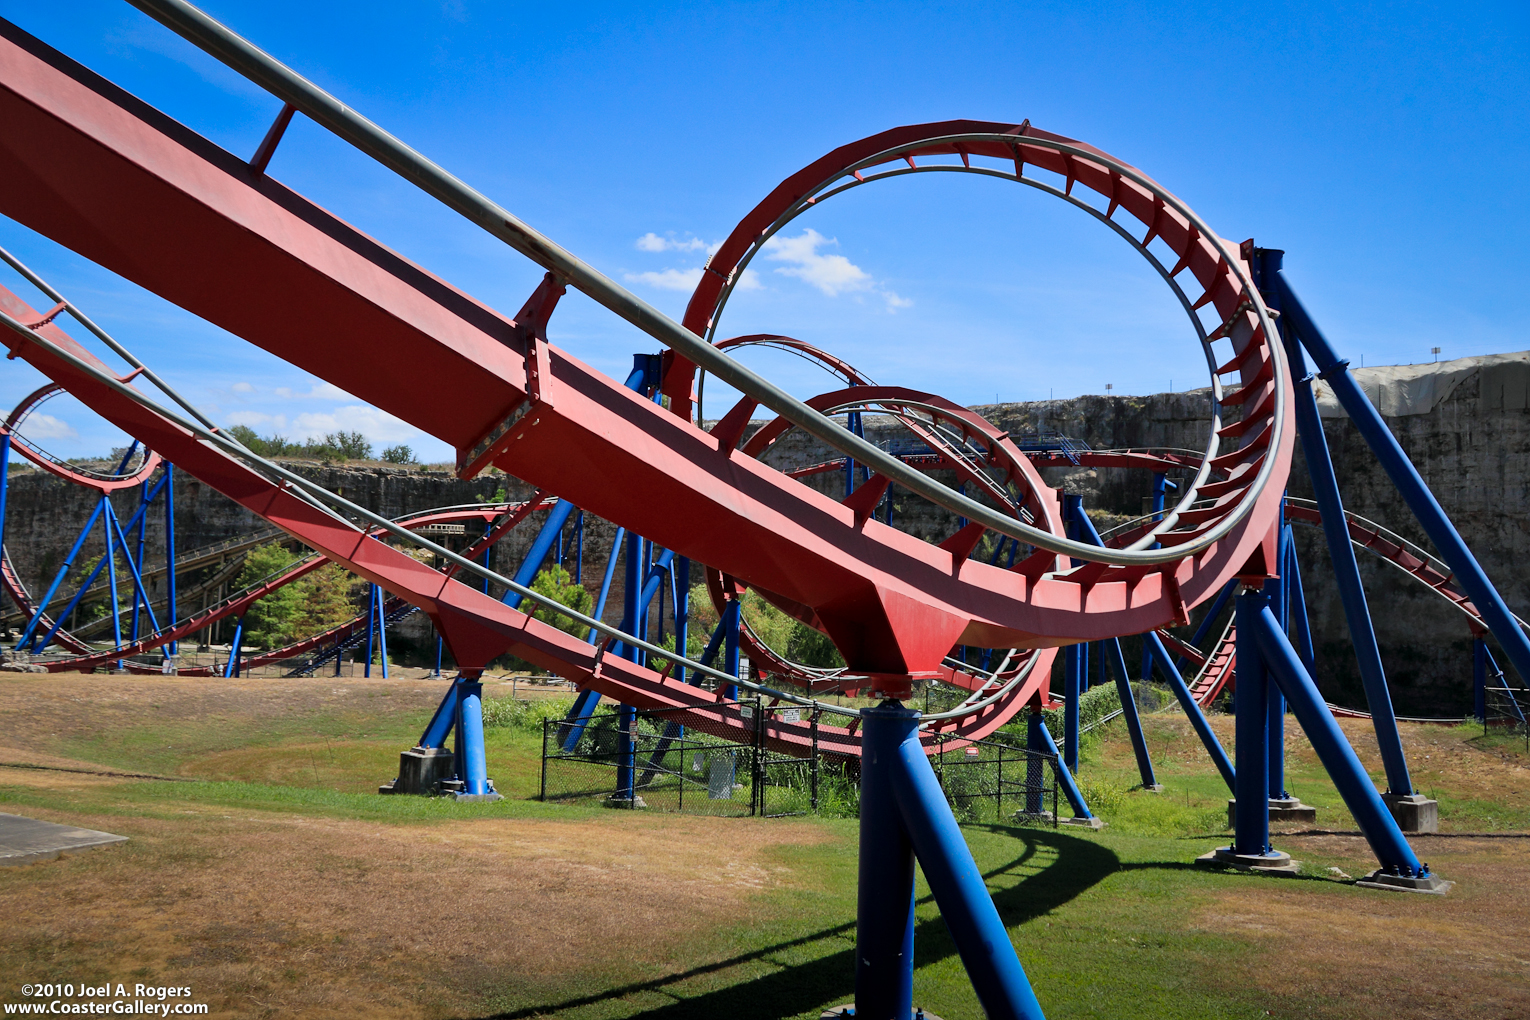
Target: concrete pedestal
421,770
1429,884
1272,863
847,1012
625,803
1414,812
1289,810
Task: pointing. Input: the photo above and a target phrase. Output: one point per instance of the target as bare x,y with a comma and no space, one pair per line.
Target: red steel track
120,183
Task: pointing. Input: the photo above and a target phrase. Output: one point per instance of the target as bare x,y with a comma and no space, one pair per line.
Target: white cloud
378,426
668,279
320,391
832,274
653,242
242,387
45,426
750,281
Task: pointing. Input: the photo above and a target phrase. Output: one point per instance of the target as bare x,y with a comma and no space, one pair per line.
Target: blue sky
1382,146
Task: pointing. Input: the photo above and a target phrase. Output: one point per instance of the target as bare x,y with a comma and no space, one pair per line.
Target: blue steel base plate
1272,863
847,1012
1429,884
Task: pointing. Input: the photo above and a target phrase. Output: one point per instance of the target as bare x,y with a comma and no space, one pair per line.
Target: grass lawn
276,882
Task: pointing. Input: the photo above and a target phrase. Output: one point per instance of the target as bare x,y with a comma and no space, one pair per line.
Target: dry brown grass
1389,955
268,915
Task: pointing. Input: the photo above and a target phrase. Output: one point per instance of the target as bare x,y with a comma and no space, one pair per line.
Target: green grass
1102,921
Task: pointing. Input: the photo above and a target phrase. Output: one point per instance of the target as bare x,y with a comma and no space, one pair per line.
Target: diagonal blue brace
1349,776
1325,486
1410,485
1160,657
1046,744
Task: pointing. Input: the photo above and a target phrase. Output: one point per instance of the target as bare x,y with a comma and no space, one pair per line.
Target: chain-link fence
1505,711
675,766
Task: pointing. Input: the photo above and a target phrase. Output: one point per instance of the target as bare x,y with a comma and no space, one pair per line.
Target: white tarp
1414,389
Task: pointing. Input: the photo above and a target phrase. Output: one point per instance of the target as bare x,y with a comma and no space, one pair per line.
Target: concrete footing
1047,818
625,803
1155,788
1273,863
1288,810
847,1012
1414,812
478,798
421,770
1428,884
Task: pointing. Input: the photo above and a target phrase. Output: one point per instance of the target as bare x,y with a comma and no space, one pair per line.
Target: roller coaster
1025,574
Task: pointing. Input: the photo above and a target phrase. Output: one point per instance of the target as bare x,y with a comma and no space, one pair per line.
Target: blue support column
366,670
1297,625
28,633
1072,689
884,933
472,762
1085,532
172,648
1117,662
579,550
1064,775
1251,785
1160,657
143,526
1275,704
442,721
382,629
232,667
732,615
1002,988
1354,785
549,534
682,580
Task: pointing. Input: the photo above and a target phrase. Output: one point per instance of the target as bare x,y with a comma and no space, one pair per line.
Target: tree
349,445
268,623
558,584
399,454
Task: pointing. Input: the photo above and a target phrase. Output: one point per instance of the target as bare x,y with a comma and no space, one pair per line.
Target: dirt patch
1453,956
250,911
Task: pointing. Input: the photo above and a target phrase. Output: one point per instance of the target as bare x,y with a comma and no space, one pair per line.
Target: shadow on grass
808,986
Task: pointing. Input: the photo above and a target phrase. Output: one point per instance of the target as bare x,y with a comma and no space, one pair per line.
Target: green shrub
524,716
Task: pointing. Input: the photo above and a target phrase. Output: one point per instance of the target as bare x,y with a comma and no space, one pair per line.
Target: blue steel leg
1192,710
1349,776
682,580
1064,776
973,921
1405,476
38,644
884,933
111,576
232,668
366,670
550,533
442,721
475,769
732,614
172,648
1275,705
1072,688
1252,783
439,644
382,631
1129,711
1298,626
58,579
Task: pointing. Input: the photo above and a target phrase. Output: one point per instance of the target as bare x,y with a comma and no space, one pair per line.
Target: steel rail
314,493
1171,516
324,109
105,337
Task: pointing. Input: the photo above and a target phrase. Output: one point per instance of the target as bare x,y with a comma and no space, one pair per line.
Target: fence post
813,728
542,790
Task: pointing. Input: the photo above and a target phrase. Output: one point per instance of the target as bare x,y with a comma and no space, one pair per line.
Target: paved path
26,840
